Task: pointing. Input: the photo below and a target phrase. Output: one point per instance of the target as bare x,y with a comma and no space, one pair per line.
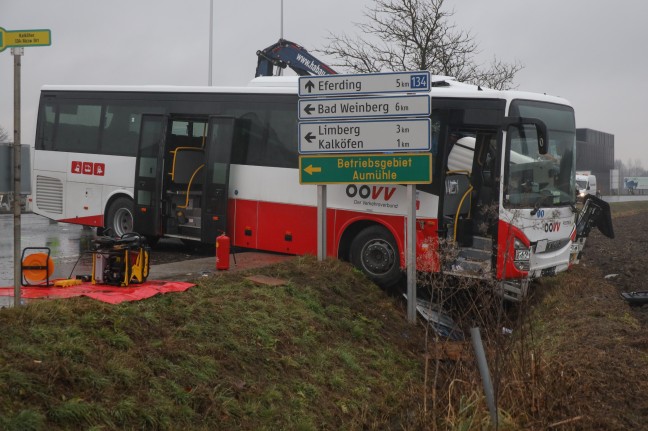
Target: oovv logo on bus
552,227
365,192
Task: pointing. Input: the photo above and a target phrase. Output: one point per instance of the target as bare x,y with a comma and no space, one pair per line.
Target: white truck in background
586,185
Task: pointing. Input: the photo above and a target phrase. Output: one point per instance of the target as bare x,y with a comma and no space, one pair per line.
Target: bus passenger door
218,152
149,175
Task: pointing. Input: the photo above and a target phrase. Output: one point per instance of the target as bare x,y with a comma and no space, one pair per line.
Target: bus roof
442,86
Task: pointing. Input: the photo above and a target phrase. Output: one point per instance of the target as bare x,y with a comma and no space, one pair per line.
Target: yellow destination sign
18,38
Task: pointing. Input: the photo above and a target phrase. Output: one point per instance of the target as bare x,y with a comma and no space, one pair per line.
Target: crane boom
285,53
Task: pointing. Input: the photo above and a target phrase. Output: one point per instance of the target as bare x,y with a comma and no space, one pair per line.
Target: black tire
374,252
152,241
119,217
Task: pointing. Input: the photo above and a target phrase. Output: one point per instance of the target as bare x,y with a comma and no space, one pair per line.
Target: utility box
7,169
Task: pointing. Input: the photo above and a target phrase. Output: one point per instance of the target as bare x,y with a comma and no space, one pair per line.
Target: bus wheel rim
377,257
123,221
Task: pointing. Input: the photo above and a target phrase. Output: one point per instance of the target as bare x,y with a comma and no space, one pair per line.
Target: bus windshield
534,180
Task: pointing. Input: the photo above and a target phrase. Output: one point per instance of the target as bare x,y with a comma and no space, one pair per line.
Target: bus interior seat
186,161
457,184
457,206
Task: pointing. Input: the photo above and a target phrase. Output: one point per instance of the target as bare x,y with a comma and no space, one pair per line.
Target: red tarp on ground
110,294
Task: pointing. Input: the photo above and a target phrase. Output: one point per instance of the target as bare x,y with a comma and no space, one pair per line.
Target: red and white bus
192,162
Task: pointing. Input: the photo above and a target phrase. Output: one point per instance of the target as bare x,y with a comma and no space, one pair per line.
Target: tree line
633,168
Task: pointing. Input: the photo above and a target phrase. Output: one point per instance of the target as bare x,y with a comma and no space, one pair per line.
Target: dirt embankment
602,341
623,261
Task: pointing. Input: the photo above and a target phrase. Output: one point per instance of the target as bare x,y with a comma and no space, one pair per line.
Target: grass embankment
327,350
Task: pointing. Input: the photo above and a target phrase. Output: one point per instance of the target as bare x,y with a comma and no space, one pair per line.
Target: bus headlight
522,255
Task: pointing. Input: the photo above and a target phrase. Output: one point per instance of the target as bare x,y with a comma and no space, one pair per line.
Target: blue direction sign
366,83
365,107
392,135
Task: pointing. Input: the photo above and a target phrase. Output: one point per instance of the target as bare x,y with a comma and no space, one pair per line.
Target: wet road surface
70,245
66,242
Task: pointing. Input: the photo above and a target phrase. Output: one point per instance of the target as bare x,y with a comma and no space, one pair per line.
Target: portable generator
120,261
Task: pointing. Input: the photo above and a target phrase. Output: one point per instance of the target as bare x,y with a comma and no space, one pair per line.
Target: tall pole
211,40
281,33
321,222
17,54
411,253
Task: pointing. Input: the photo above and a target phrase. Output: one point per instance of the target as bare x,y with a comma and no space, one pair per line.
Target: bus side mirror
540,127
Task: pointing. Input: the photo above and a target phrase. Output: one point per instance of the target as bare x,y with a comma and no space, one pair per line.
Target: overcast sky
591,52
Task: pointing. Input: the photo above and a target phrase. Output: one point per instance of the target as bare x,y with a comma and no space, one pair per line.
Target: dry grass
623,209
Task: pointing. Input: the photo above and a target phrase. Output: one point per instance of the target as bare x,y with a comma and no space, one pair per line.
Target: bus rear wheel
374,252
119,217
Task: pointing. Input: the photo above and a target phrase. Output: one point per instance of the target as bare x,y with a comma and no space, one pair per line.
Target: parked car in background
586,185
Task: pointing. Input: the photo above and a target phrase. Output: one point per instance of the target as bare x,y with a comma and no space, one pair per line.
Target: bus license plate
548,271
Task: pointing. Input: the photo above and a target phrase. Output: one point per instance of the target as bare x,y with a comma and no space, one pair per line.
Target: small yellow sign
18,38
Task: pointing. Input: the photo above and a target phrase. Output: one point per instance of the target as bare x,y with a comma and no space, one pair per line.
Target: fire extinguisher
222,252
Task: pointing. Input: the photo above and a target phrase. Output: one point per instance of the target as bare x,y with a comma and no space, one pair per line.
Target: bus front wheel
374,252
119,217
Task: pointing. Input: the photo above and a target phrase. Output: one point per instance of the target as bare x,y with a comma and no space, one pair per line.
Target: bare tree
4,135
417,35
635,168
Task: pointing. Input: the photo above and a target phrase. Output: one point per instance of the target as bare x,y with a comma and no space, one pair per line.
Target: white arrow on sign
365,107
402,135
366,83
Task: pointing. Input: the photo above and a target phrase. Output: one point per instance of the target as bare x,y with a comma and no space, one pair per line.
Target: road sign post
16,40
321,222
410,260
338,142
17,55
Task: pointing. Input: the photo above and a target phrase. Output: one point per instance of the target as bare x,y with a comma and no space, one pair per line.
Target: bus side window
253,131
48,127
119,136
78,128
121,129
282,145
240,144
